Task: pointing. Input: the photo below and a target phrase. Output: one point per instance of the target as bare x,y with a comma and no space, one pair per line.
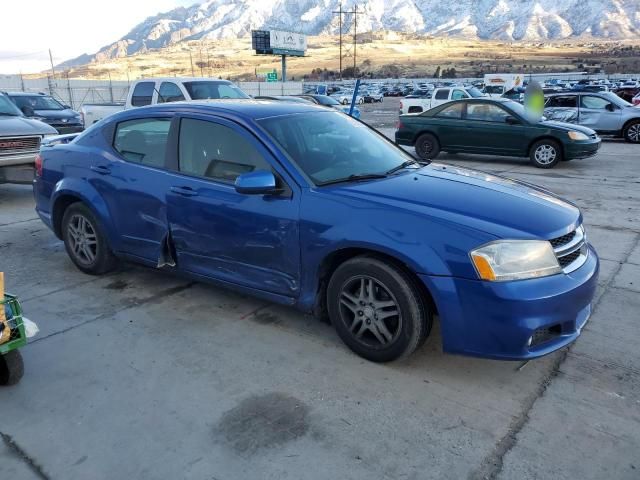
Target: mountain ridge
508,20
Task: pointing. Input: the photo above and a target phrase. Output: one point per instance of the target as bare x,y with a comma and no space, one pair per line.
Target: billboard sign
295,42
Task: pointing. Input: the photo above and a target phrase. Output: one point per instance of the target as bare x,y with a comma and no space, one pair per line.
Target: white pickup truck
150,91
418,104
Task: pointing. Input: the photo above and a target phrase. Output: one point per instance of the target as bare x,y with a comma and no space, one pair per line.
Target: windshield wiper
403,165
353,178
7,114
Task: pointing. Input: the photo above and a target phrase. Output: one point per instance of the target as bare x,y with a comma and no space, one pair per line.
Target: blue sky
70,28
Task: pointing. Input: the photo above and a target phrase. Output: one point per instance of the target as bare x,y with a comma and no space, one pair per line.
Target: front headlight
504,260
573,135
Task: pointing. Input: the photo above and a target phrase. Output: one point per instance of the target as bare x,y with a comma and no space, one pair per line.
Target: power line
355,14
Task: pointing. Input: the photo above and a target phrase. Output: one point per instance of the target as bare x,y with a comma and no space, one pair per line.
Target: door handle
184,191
101,169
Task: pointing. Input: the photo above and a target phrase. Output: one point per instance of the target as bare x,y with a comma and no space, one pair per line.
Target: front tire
545,153
85,241
427,146
631,132
377,310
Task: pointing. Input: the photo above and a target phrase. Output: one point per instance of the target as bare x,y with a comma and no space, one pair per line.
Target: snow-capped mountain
485,19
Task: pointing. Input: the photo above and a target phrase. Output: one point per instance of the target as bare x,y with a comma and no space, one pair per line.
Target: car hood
57,114
499,206
22,126
566,126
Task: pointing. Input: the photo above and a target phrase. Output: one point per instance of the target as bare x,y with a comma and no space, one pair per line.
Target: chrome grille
12,145
571,249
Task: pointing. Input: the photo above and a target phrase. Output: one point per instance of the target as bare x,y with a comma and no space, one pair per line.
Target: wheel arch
627,123
334,259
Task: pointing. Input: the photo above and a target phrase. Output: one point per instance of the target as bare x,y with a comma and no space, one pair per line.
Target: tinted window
458,95
169,92
143,141
588,101
142,94
37,102
486,112
215,151
208,89
452,111
442,94
570,101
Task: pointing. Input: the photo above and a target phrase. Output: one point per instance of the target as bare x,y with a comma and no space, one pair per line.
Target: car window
206,89
142,94
486,112
143,140
590,101
458,95
37,102
212,150
452,111
169,92
442,94
568,101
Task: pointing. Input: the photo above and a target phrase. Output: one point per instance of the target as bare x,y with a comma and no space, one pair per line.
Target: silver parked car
604,112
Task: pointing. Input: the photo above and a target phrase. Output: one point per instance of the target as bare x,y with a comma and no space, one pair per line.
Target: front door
599,114
488,131
247,240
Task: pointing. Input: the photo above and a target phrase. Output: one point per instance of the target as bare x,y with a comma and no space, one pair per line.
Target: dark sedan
47,109
494,127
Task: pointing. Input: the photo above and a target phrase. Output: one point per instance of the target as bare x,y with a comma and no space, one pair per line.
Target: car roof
27,94
247,108
182,79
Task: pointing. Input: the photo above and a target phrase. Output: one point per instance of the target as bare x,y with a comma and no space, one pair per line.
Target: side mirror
512,120
28,111
260,182
611,107
66,107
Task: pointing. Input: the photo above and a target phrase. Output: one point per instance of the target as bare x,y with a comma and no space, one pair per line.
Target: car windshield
37,102
213,90
330,146
615,99
7,108
493,89
474,92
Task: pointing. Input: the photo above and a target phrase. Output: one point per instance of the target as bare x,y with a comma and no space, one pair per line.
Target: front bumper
497,319
575,150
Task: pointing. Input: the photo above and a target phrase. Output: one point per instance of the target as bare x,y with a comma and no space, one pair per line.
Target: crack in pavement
164,293
492,464
19,221
19,452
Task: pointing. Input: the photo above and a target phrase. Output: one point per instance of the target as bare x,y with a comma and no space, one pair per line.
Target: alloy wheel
545,154
633,132
370,311
82,239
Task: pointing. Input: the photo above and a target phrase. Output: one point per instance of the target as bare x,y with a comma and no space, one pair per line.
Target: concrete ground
141,375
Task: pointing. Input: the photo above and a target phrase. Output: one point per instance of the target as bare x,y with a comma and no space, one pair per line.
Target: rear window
143,140
568,101
142,94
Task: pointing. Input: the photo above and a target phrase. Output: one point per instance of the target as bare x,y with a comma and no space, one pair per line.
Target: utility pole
355,14
191,58
339,13
53,72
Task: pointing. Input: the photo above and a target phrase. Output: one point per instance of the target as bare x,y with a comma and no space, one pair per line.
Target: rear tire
427,146
631,132
85,241
11,368
377,310
545,153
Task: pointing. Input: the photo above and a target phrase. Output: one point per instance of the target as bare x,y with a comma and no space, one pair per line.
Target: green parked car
494,127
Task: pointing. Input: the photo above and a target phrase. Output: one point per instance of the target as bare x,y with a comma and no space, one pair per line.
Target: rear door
562,108
599,114
451,126
247,240
133,181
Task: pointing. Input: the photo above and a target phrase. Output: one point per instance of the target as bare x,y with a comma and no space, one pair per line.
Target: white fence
78,92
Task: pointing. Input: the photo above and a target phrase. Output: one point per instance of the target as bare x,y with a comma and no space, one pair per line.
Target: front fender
87,194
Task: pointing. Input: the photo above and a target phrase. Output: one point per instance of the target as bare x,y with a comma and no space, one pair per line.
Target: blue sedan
308,207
